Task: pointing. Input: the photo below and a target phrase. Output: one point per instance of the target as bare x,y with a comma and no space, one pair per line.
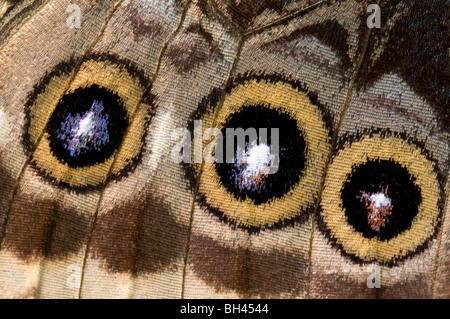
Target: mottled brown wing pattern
363,180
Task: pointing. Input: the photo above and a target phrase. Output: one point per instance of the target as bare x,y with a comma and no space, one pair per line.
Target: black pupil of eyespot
252,178
380,199
87,126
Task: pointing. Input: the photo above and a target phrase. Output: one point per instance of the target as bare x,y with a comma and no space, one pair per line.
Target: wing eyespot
381,198
245,193
87,127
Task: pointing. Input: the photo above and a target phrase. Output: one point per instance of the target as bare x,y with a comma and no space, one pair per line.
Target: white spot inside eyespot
257,162
86,131
86,124
258,159
380,200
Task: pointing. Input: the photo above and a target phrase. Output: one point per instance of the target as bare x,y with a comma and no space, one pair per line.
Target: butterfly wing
107,212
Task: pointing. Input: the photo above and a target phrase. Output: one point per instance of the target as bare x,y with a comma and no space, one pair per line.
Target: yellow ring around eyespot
380,148
107,75
309,121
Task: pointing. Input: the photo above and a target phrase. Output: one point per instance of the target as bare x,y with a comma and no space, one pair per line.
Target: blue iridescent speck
86,131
